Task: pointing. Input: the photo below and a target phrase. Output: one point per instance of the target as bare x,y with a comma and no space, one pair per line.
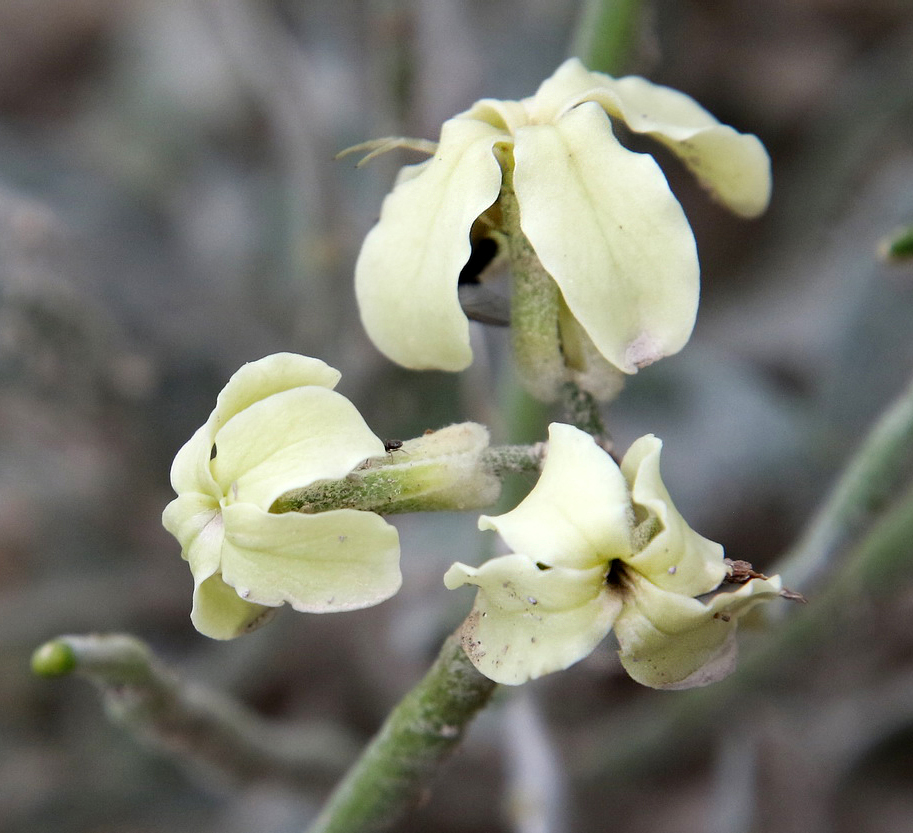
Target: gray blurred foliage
169,209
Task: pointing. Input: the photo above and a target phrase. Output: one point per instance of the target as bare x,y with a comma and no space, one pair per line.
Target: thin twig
190,723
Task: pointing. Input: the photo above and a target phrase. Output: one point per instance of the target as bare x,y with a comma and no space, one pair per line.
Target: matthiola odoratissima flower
599,218
598,547
277,426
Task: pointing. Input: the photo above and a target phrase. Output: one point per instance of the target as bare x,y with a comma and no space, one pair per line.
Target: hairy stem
193,724
394,771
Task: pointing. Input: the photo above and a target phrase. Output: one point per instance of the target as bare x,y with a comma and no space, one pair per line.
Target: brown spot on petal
643,351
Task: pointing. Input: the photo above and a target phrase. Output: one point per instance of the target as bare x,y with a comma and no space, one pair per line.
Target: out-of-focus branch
200,727
862,492
607,34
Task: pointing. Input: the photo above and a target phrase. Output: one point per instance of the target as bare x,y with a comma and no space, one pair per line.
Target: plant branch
607,34
862,492
191,723
395,770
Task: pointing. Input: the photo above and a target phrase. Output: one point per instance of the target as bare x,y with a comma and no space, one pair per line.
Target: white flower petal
407,271
289,440
672,641
338,560
567,87
677,558
527,622
273,374
733,166
219,613
196,521
608,229
190,469
503,115
577,514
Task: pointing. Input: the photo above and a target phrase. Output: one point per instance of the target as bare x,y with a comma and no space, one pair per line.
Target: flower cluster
596,547
280,493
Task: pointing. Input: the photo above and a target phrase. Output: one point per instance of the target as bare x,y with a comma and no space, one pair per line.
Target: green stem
898,246
582,411
192,723
534,306
394,485
862,492
607,34
393,773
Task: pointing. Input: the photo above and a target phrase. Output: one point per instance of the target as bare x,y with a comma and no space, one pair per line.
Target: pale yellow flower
600,218
277,426
595,548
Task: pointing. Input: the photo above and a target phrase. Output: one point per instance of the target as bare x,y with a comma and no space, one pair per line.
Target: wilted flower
598,218
597,547
277,426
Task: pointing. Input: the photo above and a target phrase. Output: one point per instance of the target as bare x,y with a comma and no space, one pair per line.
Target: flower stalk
420,733
534,305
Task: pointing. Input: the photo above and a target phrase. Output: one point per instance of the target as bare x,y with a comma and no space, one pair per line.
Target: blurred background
170,208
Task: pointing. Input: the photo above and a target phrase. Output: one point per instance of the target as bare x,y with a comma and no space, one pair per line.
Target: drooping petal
676,558
220,613
190,470
578,513
338,560
630,275
734,167
289,440
672,641
527,622
267,376
407,272
196,521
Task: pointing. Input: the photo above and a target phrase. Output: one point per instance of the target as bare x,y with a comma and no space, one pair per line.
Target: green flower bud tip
278,426
600,219
598,547
898,246
53,659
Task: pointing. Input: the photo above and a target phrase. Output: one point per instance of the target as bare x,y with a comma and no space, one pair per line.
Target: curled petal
289,440
672,641
630,277
577,514
527,621
220,613
733,166
407,272
196,521
676,558
567,87
503,115
338,560
267,376
190,470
